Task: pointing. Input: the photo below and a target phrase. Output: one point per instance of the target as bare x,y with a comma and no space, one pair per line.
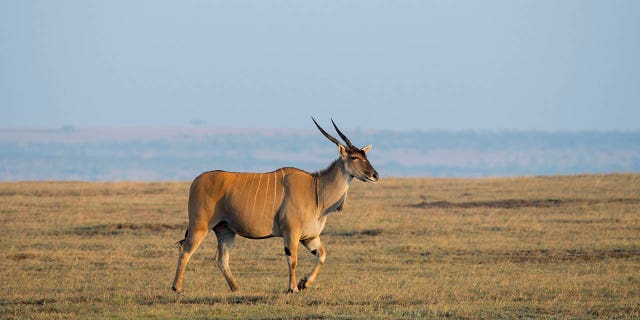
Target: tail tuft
180,243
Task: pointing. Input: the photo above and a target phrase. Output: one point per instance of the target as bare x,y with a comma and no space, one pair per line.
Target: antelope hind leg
191,243
226,238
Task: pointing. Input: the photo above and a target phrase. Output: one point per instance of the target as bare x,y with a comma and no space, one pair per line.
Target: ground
559,246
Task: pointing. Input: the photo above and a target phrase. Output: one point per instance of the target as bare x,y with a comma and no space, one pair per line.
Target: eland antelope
288,203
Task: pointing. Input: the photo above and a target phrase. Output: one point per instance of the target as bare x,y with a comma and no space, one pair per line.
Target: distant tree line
184,155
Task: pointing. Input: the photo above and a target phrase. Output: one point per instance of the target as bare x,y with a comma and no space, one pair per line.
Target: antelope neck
331,187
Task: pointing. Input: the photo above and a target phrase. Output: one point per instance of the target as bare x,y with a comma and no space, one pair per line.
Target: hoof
292,290
302,284
176,290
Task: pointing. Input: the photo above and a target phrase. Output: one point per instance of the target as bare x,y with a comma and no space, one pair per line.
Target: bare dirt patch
519,203
121,228
544,255
356,233
21,256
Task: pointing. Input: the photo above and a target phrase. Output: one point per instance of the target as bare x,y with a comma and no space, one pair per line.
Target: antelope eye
353,157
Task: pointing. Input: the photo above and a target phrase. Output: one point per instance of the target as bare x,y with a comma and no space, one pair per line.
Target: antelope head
354,159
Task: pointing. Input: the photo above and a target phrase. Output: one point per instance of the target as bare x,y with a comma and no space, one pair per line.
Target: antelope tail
180,243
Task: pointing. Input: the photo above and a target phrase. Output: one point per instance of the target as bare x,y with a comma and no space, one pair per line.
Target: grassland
539,247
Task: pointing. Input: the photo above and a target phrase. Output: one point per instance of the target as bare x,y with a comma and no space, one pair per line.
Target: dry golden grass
566,247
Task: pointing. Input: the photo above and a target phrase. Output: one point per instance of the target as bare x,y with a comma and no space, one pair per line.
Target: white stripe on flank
275,191
253,178
257,191
244,182
282,185
266,195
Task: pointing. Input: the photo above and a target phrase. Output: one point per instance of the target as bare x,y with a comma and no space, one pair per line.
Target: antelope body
288,203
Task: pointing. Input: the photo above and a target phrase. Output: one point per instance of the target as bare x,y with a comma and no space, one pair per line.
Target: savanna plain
531,247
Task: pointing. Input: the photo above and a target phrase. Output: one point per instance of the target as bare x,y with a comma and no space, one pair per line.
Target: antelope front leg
317,249
291,251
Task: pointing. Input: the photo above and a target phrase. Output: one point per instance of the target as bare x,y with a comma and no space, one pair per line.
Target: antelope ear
367,148
343,151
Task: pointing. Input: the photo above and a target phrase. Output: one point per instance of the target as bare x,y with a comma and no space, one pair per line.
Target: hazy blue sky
457,65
